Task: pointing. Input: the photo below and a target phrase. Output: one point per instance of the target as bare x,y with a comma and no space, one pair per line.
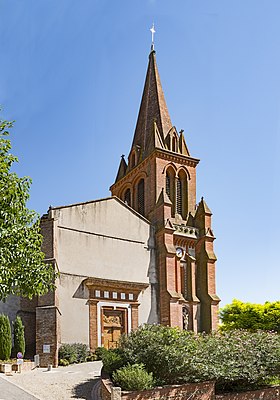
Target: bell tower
159,181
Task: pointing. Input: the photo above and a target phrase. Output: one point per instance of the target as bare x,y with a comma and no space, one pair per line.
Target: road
8,391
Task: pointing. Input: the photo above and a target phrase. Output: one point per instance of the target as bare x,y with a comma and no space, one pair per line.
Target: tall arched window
179,196
127,197
141,197
182,194
167,184
170,187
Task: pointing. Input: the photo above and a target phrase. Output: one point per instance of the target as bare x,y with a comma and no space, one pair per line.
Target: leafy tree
5,338
239,315
22,268
19,340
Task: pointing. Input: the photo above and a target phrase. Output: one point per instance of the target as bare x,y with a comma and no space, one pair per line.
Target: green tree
22,267
5,338
19,340
239,315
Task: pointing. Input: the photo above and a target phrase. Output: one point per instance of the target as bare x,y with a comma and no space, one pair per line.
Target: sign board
19,355
19,361
46,348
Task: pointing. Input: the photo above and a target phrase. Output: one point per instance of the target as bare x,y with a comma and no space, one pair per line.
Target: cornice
176,157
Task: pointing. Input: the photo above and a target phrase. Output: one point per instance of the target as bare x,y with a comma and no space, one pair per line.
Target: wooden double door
113,325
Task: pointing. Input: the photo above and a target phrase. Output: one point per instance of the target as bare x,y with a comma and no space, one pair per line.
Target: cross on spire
153,34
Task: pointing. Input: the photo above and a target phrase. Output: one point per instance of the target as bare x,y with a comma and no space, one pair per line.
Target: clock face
179,252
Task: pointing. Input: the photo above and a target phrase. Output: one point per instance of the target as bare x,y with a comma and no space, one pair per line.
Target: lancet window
141,196
127,197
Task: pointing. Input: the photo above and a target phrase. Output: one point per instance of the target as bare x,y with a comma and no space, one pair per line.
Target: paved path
95,393
8,391
77,381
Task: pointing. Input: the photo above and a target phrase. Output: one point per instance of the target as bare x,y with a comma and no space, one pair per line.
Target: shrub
5,338
163,350
99,352
82,352
63,362
237,359
73,353
19,340
133,377
92,357
113,359
234,359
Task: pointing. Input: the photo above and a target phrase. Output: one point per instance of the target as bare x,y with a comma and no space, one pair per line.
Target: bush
5,338
113,359
133,377
63,362
73,353
81,351
234,359
19,340
92,357
164,351
99,351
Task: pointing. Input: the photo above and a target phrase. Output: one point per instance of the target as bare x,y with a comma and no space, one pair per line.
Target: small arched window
174,144
141,197
167,141
133,160
127,197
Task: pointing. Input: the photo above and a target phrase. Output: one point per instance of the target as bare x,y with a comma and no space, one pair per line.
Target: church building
143,255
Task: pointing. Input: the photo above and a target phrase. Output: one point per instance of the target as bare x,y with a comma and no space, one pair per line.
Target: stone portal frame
111,293
116,306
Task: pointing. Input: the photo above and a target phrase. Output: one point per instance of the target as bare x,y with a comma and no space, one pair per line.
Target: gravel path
77,381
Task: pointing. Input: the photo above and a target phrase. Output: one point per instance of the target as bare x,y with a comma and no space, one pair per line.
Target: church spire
153,110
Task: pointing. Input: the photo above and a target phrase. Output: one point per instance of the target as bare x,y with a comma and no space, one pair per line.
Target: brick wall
193,391
272,393
197,391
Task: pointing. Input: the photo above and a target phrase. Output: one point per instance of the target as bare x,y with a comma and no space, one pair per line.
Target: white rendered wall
102,239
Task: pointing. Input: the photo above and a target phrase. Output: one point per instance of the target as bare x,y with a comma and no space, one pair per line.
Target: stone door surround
115,295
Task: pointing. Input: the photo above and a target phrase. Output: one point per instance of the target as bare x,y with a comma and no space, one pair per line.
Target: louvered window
179,196
141,197
127,197
167,185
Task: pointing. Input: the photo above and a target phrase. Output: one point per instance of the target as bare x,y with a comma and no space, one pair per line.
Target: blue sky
72,74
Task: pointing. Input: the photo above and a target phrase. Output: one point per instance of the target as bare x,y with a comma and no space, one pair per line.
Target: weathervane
153,34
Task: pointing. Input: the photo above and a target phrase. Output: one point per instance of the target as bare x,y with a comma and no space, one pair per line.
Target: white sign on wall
46,348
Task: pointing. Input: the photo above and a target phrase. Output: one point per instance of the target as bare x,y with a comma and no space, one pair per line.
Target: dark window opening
179,197
141,197
167,185
127,197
